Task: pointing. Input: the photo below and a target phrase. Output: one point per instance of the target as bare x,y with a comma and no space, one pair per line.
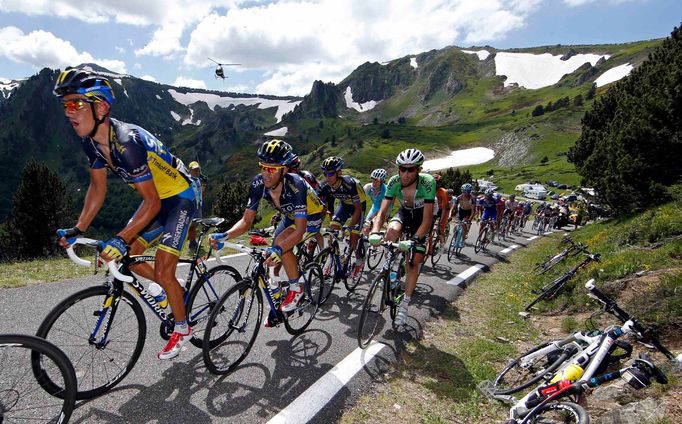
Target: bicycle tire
351,282
50,330
481,240
528,374
550,290
372,311
559,413
226,318
437,251
300,318
25,400
374,256
455,243
329,272
203,297
395,294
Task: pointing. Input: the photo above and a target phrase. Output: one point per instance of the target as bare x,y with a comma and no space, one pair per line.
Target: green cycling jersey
425,192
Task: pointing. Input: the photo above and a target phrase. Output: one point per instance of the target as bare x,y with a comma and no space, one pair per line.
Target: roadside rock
648,410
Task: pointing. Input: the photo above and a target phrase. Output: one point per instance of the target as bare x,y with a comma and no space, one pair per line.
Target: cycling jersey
137,156
376,196
442,203
425,192
297,199
465,201
489,208
348,191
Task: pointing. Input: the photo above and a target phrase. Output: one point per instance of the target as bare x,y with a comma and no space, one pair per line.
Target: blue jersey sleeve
135,158
255,192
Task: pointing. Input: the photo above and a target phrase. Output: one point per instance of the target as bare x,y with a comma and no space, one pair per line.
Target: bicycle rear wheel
481,240
526,370
236,318
437,251
327,261
204,296
456,243
86,315
371,317
560,413
356,267
300,318
24,399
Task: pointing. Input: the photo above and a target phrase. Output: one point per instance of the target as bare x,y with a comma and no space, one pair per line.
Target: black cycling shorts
410,219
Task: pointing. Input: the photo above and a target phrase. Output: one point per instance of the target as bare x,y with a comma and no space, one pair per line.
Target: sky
283,46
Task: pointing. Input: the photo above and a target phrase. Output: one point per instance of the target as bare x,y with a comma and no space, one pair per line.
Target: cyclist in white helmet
416,192
376,190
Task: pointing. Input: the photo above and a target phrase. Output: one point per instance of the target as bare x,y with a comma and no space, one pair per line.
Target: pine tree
41,205
539,110
230,202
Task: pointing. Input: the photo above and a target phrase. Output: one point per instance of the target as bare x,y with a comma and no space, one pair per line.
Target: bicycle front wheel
327,261
481,240
456,243
300,318
24,399
236,318
371,317
356,266
203,298
374,256
78,325
437,251
527,370
560,413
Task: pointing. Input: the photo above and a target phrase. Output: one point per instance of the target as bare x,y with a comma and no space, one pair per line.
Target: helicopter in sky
219,72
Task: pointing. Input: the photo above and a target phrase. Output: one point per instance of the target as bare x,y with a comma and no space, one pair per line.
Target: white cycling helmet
410,157
379,174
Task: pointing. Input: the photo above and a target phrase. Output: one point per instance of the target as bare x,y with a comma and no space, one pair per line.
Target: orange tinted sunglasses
75,104
270,169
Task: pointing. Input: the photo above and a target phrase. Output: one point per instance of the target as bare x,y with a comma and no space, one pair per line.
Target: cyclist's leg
149,236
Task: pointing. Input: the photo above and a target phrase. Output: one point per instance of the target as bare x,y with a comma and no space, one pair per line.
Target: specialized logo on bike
150,299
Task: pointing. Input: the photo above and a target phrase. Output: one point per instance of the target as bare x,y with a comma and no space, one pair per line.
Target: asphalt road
278,369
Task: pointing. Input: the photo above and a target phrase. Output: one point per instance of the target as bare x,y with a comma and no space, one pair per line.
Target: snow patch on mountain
614,74
213,100
458,158
175,116
360,107
7,86
539,70
413,62
482,54
279,132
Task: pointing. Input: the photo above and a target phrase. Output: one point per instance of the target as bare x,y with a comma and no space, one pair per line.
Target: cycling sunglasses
330,174
270,169
75,104
408,169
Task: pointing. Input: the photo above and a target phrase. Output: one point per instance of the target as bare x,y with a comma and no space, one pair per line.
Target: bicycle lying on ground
550,262
236,319
24,399
387,290
102,329
567,367
551,289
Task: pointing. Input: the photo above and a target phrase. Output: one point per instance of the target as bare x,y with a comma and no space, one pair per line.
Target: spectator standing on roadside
199,184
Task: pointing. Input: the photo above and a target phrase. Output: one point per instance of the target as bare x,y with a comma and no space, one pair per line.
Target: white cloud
298,41
577,3
189,83
43,49
120,49
148,78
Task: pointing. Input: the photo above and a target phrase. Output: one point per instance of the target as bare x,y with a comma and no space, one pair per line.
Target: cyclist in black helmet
293,197
145,163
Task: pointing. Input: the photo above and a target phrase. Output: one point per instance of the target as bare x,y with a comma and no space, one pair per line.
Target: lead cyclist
416,193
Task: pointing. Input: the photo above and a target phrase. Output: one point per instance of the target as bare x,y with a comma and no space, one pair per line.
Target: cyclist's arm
381,216
357,214
243,225
94,198
149,208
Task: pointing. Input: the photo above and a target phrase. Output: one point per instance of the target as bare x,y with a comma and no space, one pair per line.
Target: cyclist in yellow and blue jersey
293,197
351,196
142,161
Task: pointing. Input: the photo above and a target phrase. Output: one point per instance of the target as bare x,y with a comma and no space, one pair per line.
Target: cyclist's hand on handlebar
375,239
216,238
66,236
274,255
113,249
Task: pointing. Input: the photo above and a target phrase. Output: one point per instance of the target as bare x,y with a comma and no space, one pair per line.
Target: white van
536,192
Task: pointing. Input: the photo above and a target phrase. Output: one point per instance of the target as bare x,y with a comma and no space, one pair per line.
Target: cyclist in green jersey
416,193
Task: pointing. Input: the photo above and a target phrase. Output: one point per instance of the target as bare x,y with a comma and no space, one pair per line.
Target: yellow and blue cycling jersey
137,156
297,200
348,191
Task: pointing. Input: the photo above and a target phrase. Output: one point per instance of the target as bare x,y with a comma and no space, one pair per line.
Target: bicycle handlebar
113,268
235,246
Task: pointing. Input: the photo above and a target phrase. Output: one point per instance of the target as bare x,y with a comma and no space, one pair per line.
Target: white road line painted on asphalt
310,402
532,238
548,233
461,278
509,249
222,257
